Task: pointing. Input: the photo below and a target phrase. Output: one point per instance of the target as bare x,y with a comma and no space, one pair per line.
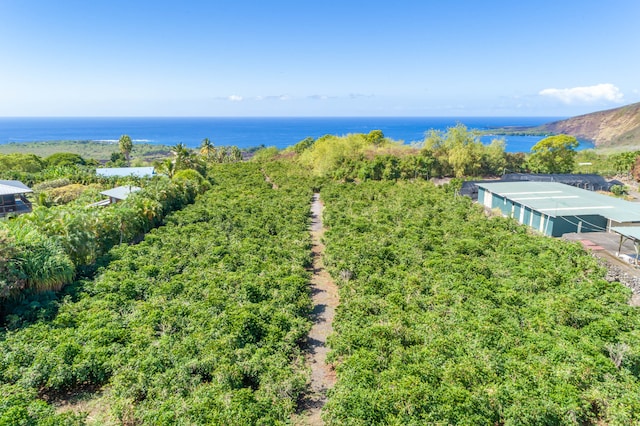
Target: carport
631,233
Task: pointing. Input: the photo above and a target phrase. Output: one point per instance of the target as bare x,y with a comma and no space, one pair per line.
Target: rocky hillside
614,127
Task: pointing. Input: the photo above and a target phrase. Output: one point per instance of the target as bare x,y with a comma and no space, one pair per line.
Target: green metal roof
631,232
12,187
125,171
557,199
121,192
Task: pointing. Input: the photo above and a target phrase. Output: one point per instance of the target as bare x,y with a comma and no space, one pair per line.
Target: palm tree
207,148
166,167
235,154
181,154
126,145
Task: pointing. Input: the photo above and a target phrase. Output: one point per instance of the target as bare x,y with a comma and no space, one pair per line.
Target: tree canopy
459,152
126,145
555,154
65,159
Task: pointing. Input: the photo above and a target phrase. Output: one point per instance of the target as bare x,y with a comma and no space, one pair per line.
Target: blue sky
317,58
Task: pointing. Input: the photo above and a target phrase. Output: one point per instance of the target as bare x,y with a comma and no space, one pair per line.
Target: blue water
251,132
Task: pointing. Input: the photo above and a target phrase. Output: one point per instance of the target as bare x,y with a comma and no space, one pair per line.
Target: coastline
280,132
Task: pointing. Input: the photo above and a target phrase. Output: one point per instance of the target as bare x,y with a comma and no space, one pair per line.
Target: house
116,194
12,198
141,172
555,209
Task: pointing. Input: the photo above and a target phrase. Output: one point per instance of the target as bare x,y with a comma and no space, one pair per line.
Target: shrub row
448,317
200,323
43,249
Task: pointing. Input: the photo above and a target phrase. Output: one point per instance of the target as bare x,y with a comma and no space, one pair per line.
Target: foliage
125,144
384,166
223,154
207,148
71,174
227,154
27,163
624,161
185,158
265,154
64,194
555,154
50,184
343,155
11,279
117,159
31,261
459,152
200,323
191,175
447,317
303,145
635,171
64,159
515,162
50,244
19,406
619,190
165,167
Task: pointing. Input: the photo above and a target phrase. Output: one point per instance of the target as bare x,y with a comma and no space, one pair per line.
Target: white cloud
235,98
588,94
273,98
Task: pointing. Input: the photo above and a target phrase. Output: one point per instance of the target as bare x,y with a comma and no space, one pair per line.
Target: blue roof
125,171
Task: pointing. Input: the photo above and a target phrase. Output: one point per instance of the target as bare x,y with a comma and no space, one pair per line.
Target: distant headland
617,128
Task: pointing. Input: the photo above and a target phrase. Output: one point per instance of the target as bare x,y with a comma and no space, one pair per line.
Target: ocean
251,132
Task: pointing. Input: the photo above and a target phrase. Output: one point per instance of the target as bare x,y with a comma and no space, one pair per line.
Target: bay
247,132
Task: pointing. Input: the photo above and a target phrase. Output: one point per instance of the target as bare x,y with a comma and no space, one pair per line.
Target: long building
556,209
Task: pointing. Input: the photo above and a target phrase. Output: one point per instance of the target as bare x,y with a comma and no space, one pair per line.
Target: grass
95,404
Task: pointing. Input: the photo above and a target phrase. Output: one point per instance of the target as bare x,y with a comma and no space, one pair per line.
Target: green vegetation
67,159
125,144
448,317
516,131
555,154
27,163
50,244
100,151
457,152
200,323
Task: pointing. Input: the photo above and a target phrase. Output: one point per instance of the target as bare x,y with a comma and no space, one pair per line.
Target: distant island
612,129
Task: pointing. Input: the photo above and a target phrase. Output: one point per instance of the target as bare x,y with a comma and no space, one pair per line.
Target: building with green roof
556,209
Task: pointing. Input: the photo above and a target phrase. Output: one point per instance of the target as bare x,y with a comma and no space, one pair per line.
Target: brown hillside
619,126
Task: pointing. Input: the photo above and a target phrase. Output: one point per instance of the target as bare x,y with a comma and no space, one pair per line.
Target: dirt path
324,294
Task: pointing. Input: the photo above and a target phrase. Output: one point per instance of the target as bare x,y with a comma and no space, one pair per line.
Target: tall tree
458,150
207,148
126,145
166,167
555,154
184,158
